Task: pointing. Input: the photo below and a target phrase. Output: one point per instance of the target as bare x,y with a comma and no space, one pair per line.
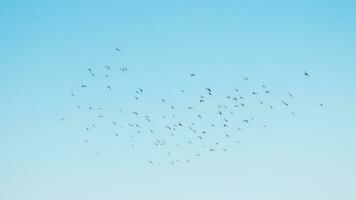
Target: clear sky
45,48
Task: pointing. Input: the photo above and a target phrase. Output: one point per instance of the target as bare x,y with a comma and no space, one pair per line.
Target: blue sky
46,47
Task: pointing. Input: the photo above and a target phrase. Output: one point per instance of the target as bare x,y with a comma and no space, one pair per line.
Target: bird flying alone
306,74
123,69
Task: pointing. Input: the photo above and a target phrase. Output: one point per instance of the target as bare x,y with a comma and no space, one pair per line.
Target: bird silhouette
208,124
306,74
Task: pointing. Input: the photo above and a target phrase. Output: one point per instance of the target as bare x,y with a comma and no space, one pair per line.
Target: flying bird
222,112
123,69
306,74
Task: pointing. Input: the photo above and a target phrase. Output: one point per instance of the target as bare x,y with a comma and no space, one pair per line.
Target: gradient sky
45,48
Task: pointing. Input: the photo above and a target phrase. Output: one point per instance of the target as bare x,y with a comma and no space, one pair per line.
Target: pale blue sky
46,46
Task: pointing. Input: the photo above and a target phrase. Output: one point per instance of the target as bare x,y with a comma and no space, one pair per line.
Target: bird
285,103
306,74
117,49
179,128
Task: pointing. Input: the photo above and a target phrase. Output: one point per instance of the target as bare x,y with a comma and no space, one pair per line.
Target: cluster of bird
184,130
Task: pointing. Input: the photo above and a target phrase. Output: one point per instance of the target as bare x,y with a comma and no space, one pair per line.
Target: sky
45,48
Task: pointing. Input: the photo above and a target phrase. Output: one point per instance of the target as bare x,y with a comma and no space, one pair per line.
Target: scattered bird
285,103
209,122
306,74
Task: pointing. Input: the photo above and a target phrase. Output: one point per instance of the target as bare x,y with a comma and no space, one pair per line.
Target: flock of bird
192,130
